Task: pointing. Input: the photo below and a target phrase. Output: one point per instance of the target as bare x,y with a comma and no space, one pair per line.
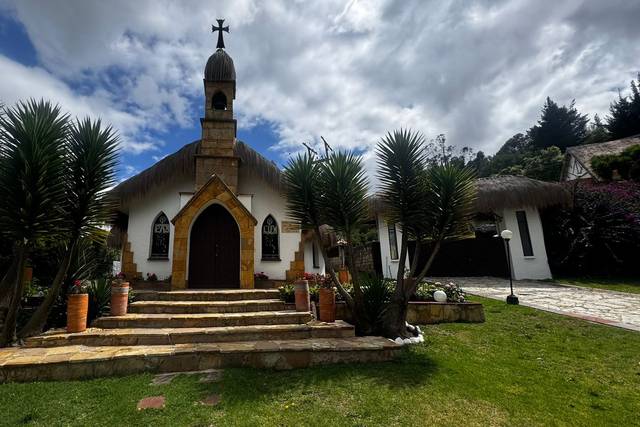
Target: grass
521,367
620,285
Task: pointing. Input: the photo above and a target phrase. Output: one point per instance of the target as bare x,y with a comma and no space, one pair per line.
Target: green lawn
620,285
522,367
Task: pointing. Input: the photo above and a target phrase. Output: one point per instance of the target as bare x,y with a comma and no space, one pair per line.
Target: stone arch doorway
214,250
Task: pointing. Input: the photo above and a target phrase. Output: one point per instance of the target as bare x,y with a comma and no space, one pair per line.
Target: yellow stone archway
213,191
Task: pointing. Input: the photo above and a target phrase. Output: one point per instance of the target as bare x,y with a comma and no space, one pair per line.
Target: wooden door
214,250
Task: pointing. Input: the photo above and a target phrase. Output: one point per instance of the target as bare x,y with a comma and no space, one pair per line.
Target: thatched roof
500,192
584,153
181,164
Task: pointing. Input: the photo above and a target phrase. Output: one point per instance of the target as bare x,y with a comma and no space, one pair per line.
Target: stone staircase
179,331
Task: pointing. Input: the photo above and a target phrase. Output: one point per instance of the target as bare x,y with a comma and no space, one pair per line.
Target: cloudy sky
349,70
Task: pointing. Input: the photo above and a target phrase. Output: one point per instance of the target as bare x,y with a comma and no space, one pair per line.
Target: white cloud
347,70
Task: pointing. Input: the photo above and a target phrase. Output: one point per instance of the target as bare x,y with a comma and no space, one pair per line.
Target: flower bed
423,309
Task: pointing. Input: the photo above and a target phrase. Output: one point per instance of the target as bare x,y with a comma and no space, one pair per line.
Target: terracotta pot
77,308
327,305
28,274
119,299
344,276
301,291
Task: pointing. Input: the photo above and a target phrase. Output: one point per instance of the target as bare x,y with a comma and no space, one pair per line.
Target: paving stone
597,305
154,402
211,400
211,376
163,379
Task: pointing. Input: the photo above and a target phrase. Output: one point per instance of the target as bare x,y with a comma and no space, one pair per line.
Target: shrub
426,289
99,298
627,164
287,293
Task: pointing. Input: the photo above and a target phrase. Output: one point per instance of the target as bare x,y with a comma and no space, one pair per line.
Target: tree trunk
394,324
9,279
38,320
9,327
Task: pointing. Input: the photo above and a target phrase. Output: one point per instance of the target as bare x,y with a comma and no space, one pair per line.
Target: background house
577,159
503,202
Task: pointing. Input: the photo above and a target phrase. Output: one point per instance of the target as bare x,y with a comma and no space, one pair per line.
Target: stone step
187,307
203,320
210,295
78,361
166,336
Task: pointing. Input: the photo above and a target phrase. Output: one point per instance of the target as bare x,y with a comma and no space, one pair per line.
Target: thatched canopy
500,192
181,165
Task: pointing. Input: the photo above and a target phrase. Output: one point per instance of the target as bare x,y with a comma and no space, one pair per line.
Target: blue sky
478,71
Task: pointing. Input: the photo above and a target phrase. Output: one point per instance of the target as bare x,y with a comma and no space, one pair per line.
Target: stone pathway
619,309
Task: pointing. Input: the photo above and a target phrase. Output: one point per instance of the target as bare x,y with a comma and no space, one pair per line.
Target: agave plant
91,161
32,171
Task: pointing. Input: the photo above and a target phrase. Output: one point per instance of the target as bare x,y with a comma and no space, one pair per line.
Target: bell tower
219,126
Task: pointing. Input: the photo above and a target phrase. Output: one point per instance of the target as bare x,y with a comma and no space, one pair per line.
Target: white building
503,202
577,159
212,214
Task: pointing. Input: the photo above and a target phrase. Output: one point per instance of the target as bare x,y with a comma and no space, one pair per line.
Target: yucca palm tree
430,203
330,192
91,161
344,187
32,175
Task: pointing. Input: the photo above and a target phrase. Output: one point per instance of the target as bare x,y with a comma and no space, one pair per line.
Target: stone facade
213,191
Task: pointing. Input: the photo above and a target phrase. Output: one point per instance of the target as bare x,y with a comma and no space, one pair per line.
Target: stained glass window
160,237
270,241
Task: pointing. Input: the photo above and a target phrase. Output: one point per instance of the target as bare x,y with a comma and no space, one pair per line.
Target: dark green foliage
99,291
597,131
401,161
344,186
624,117
302,179
32,171
599,234
626,164
377,293
545,165
559,126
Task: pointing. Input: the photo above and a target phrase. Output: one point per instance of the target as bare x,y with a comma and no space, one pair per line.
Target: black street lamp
506,236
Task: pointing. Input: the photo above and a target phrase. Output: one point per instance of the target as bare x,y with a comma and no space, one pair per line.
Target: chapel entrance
214,250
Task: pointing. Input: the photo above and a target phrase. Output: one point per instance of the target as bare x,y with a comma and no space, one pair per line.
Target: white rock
420,338
414,340
398,341
407,340
440,296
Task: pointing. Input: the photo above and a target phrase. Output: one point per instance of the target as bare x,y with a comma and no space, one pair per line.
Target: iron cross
220,29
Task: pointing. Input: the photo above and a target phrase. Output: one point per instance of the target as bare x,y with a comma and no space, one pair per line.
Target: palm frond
301,178
401,163
32,171
344,187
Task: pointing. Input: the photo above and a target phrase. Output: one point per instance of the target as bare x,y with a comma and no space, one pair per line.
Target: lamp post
506,236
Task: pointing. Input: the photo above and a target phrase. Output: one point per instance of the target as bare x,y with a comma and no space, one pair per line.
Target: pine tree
559,126
597,131
624,118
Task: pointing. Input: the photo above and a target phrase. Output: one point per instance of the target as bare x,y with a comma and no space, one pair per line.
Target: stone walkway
619,309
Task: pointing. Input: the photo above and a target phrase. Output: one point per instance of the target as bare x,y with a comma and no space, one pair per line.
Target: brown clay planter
327,305
344,276
77,308
301,291
119,299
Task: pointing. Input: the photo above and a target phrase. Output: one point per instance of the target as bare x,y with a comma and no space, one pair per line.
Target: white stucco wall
264,200
527,267
142,213
308,260
389,266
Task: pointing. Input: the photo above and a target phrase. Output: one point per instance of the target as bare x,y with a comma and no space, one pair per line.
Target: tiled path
619,309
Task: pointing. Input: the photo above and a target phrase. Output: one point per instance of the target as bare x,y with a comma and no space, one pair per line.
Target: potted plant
327,300
119,295
77,307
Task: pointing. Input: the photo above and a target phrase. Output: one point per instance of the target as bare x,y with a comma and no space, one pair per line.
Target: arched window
219,101
270,240
160,237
